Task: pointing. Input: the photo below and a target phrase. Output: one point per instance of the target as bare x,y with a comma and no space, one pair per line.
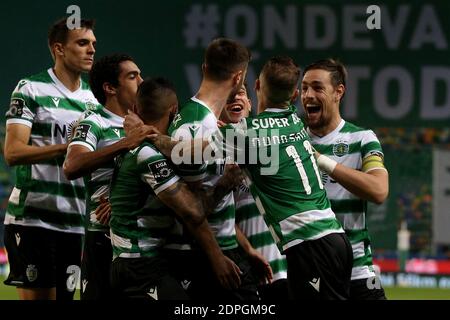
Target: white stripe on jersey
55,202
302,219
358,250
352,221
49,173
120,242
10,219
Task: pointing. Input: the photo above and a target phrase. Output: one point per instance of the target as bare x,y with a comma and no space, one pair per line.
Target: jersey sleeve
371,152
88,131
370,145
155,169
22,108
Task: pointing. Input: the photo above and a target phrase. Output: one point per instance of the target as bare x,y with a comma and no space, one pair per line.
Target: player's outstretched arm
17,151
371,185
189,208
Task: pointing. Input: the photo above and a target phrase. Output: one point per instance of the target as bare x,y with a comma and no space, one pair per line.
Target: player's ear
58,49
109,89
340,90
257,85
295,95
237,78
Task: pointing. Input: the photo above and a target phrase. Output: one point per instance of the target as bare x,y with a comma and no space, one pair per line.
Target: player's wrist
326,164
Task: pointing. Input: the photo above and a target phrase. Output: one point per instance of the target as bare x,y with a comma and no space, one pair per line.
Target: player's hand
137,135
103,211
221,124
227,272
132,121
261,267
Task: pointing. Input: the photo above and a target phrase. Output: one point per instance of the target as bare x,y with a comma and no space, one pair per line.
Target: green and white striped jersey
196,120
42,196
349,145
252,224
285,180
98,130
140,222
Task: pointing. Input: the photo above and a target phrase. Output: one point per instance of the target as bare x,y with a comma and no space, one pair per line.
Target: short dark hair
223,57
151,98
106,69
338,73
59,31
281,75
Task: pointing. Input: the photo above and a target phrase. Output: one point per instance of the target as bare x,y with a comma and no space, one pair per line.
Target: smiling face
320,99
238,108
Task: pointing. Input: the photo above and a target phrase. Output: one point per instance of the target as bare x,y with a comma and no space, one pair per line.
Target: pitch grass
393,293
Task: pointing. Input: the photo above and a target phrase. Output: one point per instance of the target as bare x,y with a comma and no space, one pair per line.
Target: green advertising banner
397,52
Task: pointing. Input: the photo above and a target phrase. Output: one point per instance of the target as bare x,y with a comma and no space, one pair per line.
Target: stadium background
399,86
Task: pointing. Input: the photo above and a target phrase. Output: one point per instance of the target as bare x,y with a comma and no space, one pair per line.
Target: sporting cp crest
340,148
31,272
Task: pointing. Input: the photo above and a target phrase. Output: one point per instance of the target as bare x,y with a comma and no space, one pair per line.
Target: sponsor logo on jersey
117,132
31,272
340,148
55,101
160,170
81,131
16,107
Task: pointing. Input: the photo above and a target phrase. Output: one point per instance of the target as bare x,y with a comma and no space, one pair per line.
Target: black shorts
276,291
367,289
144,279
96,266
42,258
320,269
195,274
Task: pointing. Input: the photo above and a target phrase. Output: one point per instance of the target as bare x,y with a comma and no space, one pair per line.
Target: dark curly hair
106,69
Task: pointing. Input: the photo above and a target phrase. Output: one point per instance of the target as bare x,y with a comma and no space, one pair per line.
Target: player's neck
162,125
69,78
115,107
330,127
214,95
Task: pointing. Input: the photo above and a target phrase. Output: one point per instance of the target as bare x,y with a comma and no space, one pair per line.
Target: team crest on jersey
16,107
31,272
81,131
160,170
340,148
90,105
